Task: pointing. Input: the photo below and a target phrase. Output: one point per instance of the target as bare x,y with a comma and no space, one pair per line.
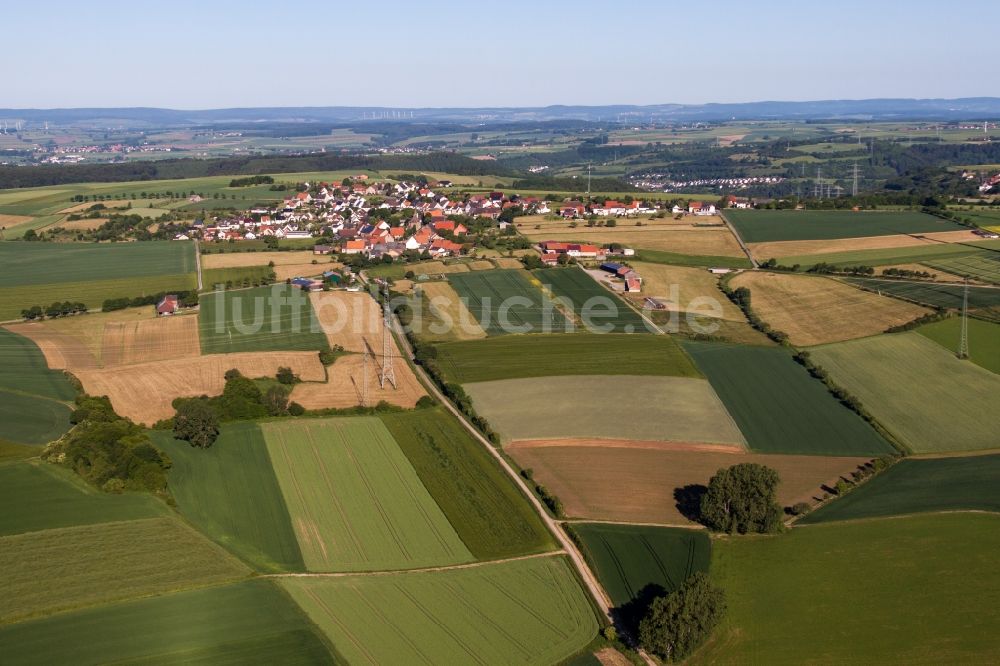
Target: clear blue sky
210,54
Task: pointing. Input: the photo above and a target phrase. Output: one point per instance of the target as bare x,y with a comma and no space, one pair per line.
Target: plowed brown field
637,484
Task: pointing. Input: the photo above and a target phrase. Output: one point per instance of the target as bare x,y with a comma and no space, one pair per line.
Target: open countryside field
919,391
760,226
983,266
529,611
589,475
231,493
816,310
522,356
23,264
779,407
346,381
144,391
91,293
505,301
247,622
714,240
927,252
435,267
110,339
32,419
983,301
355,501
58,569
58,498
780,249
704,260
23,368
613,407
242,259
348,319
684,289
485,508
984,339
274,318
598,308
790,596
441,315
628,558
920,485
33,398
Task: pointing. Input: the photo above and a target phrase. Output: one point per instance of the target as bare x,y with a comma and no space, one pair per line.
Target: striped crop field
526,612
355,501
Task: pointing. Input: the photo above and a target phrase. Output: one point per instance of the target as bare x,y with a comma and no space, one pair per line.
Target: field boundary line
597,521
914,514
398,572
739,239
589,579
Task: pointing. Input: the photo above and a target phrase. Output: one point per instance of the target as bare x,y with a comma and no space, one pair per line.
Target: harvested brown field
402,286
62,351
778,249
481,265
143,392
681,239
817,310
508,262
289,271
239,259
447,317
12,220
159,339
345,385
694,288
76,342
347,318
589,479
87,204
81,225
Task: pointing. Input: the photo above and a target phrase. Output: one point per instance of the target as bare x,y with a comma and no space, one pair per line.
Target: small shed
167,305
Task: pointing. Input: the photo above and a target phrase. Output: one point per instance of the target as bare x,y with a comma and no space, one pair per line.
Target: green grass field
920,485
33,398
984,266
40,496
251,622
983,301
526,612
235,276
673,258
55,570
355,501
24,264
613,407
925,254
628,558
923,394
30,419
903,591
274,318
984,339
490,297
760,226
231,493
23,368
599,309
779,407
519,356
92,293
486,509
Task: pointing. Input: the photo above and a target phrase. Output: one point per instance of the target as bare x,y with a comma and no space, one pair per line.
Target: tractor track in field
397,572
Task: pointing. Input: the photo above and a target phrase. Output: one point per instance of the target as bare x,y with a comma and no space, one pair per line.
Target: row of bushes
741,297
185,299
57,309
928,318
553,503
843,395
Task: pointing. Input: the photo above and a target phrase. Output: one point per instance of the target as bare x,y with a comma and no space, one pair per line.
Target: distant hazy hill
968,108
